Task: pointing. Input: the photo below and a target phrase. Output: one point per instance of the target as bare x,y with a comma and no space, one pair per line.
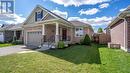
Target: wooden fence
101,38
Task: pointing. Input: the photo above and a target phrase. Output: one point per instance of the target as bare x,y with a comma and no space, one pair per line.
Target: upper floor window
79,32
38,15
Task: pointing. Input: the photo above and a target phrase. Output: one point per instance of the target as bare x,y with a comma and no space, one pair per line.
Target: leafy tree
100,30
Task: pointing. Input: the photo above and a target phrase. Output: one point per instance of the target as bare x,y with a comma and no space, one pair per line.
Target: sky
97,13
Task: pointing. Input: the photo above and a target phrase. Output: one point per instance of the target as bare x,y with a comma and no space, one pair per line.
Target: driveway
12,49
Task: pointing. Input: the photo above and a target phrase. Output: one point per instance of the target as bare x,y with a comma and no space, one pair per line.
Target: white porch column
57,33
14,33
71,38
14,37
22,35
43,29
43,33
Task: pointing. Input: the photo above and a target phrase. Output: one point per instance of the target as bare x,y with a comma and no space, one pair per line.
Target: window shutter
35,16
41,14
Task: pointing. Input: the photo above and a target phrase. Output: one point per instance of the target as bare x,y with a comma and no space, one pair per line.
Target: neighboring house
119,30
43,26
18,31
7,32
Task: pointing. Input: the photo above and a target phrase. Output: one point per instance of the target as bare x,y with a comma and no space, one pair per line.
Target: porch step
47,46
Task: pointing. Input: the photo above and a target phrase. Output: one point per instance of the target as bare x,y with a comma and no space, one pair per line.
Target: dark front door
64,34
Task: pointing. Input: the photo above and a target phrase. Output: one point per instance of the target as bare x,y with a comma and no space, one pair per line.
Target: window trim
38,15
79,30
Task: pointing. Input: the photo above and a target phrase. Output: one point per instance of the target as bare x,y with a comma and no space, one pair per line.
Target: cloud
98,21
122,9
60,13
89,11
105,5
78,2
11,18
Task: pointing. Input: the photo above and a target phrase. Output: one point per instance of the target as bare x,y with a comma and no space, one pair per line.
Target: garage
34,38
1,37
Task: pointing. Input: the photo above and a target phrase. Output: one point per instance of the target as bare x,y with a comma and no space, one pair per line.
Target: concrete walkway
12,49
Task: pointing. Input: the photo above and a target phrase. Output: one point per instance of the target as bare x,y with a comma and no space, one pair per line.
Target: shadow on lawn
77,54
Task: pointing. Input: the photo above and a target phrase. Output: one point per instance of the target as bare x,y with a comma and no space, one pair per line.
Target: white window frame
79,32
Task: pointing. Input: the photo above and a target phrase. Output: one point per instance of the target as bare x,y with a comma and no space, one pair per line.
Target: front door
64,34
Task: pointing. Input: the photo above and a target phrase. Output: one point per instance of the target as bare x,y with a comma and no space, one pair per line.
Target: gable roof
119,17
79,23
17,27
6,27
48,11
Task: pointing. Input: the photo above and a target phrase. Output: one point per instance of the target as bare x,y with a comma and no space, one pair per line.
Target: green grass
5,44
75,59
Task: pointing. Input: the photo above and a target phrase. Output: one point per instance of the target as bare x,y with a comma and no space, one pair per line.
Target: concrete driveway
12,49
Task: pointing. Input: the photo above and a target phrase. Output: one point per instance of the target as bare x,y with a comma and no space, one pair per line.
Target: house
43,27
5,34
80,30
8,31
119,30
18,31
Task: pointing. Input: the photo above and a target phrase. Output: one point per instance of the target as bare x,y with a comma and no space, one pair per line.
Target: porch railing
52,39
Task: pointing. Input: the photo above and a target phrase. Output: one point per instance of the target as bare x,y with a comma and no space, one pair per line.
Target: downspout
125,33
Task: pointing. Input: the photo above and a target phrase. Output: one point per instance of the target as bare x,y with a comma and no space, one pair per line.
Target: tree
100,30
86,40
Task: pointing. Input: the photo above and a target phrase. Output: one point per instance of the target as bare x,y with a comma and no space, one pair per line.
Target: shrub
81,41
61,45
87,40
14,38
1,42
17,42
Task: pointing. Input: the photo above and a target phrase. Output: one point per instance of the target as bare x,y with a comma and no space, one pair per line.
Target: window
38,15
79,32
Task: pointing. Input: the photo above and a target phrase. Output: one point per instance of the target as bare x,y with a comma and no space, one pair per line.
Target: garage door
34,38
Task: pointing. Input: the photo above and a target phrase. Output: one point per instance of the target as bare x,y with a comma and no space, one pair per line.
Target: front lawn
5,44
75,59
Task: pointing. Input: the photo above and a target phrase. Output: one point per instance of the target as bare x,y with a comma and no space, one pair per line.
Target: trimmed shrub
87,40
14,38
17,42
1,42
61,45
81,41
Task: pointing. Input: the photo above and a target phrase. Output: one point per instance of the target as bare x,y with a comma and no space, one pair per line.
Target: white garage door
1,37
34,38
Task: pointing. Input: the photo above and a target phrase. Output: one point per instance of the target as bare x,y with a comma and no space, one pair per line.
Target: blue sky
98,13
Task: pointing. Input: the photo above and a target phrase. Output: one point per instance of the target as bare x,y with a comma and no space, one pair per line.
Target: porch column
22,35
14,37
71,38
43,32
57,33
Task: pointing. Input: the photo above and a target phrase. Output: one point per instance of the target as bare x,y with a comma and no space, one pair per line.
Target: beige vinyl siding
117,33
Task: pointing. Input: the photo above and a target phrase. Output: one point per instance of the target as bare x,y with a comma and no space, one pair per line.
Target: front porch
18,35
18,32
52,33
